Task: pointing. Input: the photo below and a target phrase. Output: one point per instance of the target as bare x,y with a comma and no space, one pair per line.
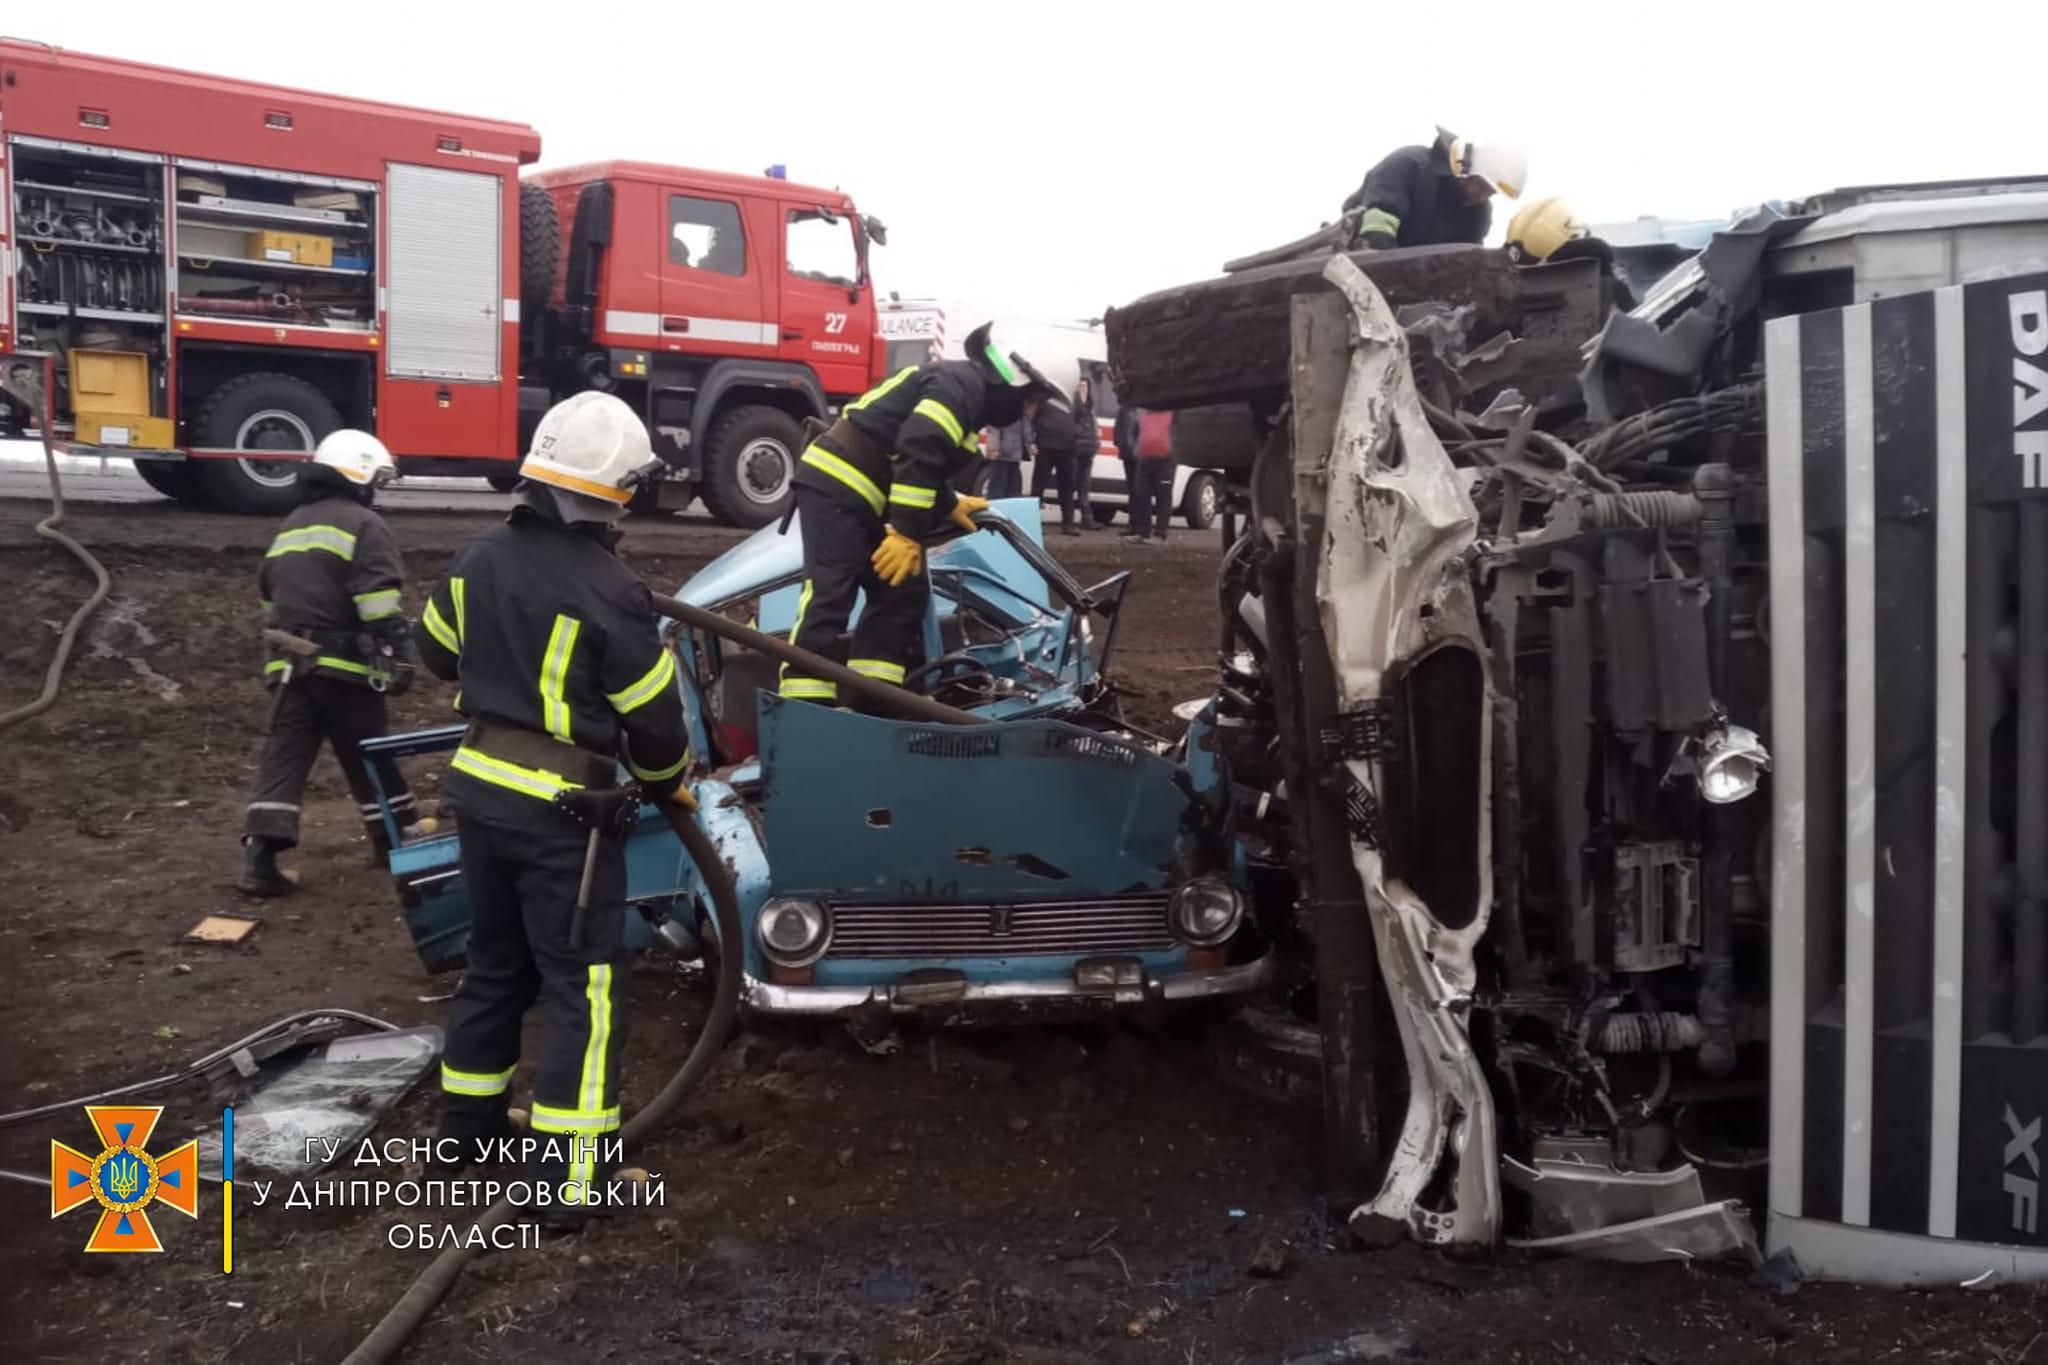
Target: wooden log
1226,340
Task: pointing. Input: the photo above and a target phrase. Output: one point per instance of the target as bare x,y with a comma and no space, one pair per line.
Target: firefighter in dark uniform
1434,195
872,486
330,580
563,677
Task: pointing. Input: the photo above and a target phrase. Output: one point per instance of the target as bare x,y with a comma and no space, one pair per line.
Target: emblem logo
124,1179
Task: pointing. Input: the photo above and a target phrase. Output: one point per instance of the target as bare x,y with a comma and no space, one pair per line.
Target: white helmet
590,444
1500,164
357,456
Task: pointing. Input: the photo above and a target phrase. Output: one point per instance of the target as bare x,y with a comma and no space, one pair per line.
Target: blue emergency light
777,172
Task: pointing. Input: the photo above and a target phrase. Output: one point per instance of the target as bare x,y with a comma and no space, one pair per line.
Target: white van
916,330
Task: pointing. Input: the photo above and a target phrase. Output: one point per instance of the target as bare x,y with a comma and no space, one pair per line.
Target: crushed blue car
1046,857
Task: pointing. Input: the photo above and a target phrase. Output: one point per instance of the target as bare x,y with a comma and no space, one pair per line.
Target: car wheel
1200,501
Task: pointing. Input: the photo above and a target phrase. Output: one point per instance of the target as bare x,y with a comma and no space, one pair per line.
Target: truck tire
749,459
177,480
502,483
1200,501
540,250
1224,436
261,411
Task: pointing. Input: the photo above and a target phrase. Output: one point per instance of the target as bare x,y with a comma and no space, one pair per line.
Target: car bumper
946,990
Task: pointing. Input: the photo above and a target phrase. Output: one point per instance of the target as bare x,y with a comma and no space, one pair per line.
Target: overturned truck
1651,710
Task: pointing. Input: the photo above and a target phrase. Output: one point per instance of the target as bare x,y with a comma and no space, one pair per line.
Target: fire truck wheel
540,249
175,479
502,483
262,411
748,463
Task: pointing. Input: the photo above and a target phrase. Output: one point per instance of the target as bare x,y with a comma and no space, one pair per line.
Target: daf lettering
2029,314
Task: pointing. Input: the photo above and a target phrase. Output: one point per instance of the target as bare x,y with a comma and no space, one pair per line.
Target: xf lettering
2022,1144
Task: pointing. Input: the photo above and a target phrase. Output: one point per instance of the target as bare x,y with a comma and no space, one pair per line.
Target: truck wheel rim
273,429
1207,502
764,470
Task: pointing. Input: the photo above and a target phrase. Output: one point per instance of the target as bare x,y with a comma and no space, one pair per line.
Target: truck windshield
821,249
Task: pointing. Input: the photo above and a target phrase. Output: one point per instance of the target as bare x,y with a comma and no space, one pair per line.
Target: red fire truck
220,267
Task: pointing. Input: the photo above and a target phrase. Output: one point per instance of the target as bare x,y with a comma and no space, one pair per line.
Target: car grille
1113,924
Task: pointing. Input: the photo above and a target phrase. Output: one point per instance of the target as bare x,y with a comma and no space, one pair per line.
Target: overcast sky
1057,158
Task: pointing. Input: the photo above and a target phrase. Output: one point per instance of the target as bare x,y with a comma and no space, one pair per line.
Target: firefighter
331,582
878,481
563,676
1547,230
1429,196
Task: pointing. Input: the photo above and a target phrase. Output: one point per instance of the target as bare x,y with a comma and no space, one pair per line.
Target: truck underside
1499,650
1539,667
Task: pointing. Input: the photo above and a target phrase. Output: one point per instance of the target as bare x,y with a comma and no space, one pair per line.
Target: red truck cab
725,308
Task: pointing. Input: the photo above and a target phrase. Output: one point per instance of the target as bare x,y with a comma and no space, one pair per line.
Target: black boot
260,873
471,1130
604,1177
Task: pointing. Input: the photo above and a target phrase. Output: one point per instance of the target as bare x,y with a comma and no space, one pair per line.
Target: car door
713,300
821,298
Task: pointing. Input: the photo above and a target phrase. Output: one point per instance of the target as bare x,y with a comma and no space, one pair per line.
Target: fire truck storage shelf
39,242
90,265
79,192
273,247
255,265
65,310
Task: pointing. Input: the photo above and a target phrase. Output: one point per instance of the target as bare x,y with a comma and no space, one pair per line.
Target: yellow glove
897,557
681,797
965,505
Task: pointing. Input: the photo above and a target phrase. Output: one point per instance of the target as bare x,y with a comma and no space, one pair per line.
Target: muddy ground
1064,1195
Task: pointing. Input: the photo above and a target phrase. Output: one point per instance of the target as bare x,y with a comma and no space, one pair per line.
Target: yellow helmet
1541,227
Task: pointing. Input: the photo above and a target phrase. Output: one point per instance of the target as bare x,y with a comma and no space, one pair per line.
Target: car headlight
1206,911
793,932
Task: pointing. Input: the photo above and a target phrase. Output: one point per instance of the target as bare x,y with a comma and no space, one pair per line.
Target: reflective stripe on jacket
332,573
922,427
548,632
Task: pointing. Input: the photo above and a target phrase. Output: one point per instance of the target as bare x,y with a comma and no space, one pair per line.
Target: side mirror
876,229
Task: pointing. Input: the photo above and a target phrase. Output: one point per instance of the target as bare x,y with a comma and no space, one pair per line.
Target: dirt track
1053,1196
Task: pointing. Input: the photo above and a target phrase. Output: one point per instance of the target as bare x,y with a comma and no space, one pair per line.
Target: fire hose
390,1334
47,529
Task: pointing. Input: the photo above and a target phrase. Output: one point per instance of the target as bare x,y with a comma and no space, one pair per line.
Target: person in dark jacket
1081,464
331,579
873,485
1125,435
1006,470
1434,195
556,646
1052,429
